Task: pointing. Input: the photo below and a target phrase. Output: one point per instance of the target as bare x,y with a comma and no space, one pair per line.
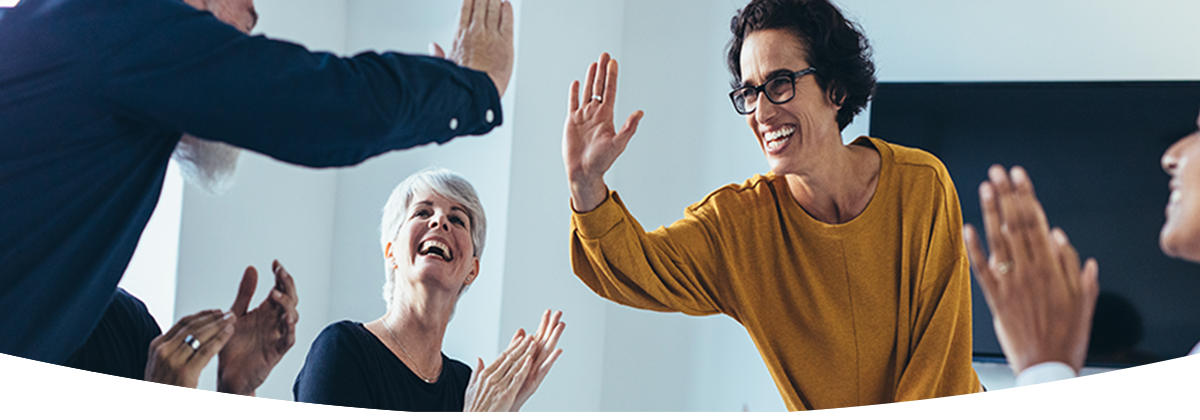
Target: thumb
245,291
630,127
436,50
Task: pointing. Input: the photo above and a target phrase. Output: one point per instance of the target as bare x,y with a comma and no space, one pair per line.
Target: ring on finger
192,342
1004,267
597,98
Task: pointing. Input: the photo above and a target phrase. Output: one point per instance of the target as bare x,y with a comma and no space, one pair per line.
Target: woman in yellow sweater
845,263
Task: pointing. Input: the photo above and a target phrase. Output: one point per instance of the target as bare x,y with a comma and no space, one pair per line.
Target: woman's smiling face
1180,236
787,133
433,245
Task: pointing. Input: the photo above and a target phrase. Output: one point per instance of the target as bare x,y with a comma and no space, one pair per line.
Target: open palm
591,142
261,336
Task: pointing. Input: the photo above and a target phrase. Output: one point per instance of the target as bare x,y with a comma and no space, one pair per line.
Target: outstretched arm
591,142
1041,299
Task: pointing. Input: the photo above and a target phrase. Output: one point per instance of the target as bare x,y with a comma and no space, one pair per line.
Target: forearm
279,99
662,271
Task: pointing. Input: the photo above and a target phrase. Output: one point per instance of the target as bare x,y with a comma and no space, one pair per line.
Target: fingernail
229,329
275,294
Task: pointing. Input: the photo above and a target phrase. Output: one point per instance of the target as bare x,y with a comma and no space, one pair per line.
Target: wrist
229,387
587,195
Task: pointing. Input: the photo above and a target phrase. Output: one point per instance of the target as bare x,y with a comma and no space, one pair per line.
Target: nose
1172,157
764,110
439,221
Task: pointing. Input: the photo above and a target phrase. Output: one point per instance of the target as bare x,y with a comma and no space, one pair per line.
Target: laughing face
794,134
1180,236
433,246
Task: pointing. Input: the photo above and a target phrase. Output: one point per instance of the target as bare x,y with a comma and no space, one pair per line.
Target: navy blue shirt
94,95
348,366
120,343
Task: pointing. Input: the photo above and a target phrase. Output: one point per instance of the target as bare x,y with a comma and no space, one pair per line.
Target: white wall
274,211
355,292
323,224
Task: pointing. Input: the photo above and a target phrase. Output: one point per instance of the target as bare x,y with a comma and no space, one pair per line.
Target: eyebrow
771,75
452,208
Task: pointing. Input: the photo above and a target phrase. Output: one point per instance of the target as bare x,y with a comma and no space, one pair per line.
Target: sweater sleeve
940,359
184,70
333,372
670,269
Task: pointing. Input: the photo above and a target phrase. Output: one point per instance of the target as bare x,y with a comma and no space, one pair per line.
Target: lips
775,140
436,247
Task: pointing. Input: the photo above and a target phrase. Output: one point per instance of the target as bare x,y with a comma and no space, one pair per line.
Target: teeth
438,247
784,132
1175,196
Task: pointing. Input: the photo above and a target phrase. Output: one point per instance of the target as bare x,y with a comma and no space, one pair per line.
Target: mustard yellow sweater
874,310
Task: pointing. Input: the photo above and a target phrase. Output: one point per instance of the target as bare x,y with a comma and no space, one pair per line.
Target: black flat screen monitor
1093,152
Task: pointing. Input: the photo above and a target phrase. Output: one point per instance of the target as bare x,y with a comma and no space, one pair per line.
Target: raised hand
177,357
544,354
484,40
591,142
1041,299
261,336
495,387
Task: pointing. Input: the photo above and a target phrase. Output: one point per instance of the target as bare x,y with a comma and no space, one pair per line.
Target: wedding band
597,98
1004,267
192,341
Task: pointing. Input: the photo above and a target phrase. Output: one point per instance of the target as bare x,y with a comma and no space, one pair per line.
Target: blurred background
323,224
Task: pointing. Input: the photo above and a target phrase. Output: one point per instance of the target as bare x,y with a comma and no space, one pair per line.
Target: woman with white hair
432,236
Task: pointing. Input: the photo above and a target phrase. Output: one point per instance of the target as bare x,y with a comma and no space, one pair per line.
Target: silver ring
1004,267
597,98
192,341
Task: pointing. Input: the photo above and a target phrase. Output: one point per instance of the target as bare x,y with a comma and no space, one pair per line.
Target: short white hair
443,182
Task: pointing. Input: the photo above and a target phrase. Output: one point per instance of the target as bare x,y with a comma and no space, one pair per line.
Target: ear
387,253
837,95
473,273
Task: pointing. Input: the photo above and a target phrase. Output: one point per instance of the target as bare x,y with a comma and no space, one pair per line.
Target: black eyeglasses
779,90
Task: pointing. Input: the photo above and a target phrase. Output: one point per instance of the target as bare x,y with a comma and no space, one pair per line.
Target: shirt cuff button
453,124
489,116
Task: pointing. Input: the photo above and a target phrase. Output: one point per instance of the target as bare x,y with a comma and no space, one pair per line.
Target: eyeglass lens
777,90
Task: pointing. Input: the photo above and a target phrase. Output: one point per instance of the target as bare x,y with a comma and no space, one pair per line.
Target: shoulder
750,193
133,311
456,367
906,158
339,336
911,166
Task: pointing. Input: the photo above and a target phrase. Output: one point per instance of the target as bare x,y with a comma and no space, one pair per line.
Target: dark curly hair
833,45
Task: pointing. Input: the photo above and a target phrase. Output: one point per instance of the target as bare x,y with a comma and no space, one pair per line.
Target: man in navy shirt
95,95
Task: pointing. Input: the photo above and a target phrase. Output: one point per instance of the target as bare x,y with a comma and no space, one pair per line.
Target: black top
120,344
348,366
94,96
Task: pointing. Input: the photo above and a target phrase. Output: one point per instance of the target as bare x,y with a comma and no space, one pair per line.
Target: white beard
207,164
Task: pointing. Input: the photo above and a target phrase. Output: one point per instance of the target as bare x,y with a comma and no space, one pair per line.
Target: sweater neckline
863,219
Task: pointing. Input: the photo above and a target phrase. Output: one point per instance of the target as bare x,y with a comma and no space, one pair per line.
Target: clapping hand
591,142
515,375
261,336
484,40
544,354
1041,299
178,357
